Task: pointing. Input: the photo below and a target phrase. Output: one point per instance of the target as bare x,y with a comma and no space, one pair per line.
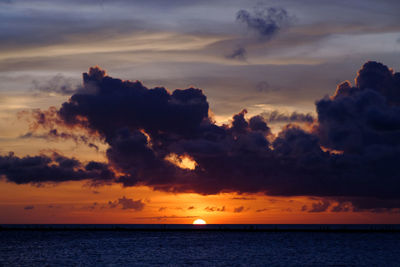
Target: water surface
203,248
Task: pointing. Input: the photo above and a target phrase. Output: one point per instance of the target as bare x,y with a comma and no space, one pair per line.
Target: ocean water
199,248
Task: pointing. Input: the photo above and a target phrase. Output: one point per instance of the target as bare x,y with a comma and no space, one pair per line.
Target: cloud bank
349,156
55,168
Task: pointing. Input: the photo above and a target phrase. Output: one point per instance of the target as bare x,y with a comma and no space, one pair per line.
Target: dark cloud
351,153
162,218
54,168
266,22
29,207
261,210
239,54
278,116
49,128
238,209
354,204
55,135
52,206
130,204
320,206
191,208
127,204
342,207
366,116
155,110
358,204
363,122
243,198
212,209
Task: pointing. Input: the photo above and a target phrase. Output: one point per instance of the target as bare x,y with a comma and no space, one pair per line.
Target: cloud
127,204
320,206
239,54
365,116
342,207
130,204
358,204
212,209
238,209
29,207
162,218
261,210
243,198
55,135
53,206
349,155
191,208
53,168
56,85
266,22
278,116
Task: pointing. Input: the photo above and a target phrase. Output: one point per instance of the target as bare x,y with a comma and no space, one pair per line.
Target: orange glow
199,222
77,202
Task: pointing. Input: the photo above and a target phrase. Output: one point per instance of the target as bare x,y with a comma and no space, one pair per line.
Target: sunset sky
286,111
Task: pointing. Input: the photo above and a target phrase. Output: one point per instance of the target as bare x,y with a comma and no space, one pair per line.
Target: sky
230,111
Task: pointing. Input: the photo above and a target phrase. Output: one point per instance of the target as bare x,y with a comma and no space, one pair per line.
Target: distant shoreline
342,228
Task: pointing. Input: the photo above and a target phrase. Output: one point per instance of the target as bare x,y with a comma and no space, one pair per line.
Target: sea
193,245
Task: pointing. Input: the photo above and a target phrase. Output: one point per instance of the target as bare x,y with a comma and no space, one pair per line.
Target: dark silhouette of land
334,228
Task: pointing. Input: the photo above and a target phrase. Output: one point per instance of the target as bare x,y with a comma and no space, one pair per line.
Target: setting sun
199,221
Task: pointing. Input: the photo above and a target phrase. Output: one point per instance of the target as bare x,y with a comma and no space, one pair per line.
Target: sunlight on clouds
137,42
182,161
8,102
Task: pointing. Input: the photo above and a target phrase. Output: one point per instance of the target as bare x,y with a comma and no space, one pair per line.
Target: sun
199,221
